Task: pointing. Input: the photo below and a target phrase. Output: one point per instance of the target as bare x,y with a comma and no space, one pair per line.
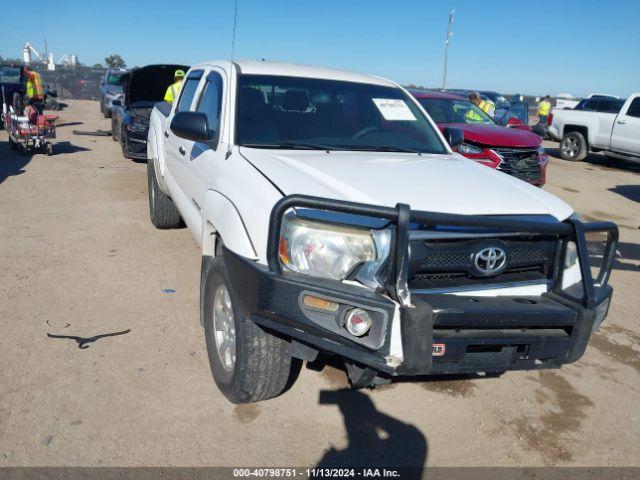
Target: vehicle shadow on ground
68,147
630,192
375,439
599,160
627,257
12,163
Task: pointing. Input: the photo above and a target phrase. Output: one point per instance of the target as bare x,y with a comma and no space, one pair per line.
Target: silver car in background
110,90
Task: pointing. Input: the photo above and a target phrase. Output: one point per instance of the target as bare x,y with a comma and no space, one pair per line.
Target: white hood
437,183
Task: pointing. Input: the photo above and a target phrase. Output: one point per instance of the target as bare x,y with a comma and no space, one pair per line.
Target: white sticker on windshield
394,109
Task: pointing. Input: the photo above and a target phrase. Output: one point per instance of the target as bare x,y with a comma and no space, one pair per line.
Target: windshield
306,113
502,102
444,110
114,78
10,75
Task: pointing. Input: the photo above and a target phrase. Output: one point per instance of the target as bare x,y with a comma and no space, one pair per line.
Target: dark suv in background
110,90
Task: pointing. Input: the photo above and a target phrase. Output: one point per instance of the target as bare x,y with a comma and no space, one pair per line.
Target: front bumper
490,158
438,333
136,145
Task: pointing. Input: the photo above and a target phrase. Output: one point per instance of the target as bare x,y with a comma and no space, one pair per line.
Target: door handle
622,122
181,150
166,134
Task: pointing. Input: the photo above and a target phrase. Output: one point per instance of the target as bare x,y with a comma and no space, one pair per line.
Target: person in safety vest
487,106
544,108
35,89
174,88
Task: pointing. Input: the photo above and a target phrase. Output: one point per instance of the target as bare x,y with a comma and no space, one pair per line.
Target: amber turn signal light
318,303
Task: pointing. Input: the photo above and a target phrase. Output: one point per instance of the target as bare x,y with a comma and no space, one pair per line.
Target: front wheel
123,144
573,147
248,363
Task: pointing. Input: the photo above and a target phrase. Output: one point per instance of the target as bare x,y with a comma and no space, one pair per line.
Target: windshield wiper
289,145
390,148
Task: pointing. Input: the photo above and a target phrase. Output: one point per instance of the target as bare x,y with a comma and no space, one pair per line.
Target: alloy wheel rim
570,146
224,328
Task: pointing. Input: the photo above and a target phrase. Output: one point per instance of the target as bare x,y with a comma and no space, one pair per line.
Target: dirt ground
79,257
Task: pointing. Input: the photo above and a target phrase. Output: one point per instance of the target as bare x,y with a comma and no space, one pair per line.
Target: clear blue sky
537,47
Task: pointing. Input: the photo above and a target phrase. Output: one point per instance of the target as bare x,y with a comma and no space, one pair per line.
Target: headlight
541,151
467,149
322,249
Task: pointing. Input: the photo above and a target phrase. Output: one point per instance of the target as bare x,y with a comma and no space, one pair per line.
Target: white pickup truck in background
333,217
581,131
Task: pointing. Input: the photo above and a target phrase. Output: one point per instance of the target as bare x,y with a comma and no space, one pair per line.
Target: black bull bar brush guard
418,355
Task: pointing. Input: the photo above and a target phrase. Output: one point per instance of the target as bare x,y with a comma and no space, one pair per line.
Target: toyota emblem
490,261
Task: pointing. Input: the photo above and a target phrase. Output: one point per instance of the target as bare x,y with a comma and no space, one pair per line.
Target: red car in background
513,149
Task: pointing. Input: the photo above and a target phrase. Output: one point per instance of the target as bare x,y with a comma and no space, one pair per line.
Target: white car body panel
424,182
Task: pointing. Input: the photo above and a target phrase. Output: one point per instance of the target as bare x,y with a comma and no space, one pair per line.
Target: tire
101,106
262,367
12,145
114,135
162,211
123,144
573,147
106,112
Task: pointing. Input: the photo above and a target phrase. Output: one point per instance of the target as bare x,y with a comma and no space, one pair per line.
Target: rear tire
162,211
573,147
256,365
114,135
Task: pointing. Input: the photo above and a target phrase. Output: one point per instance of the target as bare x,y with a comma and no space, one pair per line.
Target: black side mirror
116,103
191,126
453,136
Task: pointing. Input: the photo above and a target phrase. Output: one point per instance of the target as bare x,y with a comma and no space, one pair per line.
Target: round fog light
358,322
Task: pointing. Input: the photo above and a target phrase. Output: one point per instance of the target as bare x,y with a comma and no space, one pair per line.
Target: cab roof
254,67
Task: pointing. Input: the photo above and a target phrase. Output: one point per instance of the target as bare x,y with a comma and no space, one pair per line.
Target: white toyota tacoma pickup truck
334,217
615,134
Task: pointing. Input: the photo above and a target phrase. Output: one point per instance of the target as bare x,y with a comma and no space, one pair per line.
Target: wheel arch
582,129
222,220
152,143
